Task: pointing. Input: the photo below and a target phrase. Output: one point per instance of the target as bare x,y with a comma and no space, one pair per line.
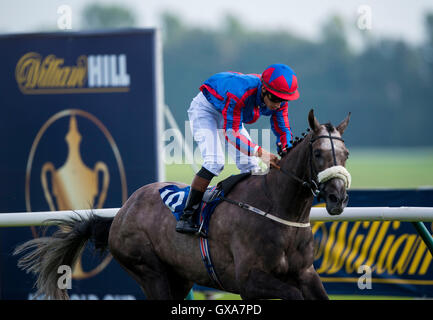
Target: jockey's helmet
281,81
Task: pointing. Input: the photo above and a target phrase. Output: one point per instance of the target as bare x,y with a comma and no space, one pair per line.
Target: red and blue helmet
281,81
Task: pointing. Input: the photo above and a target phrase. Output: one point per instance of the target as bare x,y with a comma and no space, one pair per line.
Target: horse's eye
317,153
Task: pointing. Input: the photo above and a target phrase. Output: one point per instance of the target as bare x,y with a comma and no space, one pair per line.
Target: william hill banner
376,258
79,129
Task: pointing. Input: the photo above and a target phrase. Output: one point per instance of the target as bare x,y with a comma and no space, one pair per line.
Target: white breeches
207,126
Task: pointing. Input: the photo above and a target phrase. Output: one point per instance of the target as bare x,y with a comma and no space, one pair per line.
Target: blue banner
80,129
375,258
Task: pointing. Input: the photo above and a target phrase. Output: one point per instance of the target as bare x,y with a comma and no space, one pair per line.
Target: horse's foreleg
311,285
261,285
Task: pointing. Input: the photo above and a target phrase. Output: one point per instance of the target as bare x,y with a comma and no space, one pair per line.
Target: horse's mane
329,127
295,142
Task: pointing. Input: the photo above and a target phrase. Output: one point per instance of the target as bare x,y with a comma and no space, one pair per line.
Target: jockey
228,100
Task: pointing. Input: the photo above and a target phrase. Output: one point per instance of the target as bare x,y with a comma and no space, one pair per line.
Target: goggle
274,98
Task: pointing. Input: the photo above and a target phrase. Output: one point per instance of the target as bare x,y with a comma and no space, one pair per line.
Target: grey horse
255,257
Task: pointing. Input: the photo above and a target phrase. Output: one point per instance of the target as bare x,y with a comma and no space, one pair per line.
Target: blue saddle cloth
175,199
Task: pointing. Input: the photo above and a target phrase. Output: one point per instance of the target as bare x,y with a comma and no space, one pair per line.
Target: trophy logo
75,184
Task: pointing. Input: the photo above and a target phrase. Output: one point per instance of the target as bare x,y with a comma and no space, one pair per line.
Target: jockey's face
271,101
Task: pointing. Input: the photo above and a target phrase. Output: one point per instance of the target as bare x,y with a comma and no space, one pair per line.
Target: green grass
219,295
391,168
215,295
184,173
370,168
367,297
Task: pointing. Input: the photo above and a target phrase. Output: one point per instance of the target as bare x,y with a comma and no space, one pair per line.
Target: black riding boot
186,223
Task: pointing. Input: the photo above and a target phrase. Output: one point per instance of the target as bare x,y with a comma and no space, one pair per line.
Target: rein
265,214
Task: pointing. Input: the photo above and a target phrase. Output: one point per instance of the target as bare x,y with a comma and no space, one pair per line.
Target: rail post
425,234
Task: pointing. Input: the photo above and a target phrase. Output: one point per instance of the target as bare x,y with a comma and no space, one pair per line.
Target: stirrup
186,225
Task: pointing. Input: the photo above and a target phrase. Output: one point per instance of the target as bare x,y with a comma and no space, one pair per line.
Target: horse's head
328,160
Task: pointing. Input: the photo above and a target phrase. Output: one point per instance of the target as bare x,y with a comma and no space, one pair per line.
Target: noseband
317,179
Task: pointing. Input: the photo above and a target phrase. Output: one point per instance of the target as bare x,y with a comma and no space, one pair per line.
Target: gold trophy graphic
75,185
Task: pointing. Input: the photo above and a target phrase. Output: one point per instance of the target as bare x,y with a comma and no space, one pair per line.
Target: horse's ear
343,125
314,124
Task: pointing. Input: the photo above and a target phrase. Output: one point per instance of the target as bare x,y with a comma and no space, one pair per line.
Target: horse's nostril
333,198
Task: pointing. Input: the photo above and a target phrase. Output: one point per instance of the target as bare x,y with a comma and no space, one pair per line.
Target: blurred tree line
387,85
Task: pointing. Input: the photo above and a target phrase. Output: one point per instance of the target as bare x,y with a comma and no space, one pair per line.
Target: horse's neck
290,197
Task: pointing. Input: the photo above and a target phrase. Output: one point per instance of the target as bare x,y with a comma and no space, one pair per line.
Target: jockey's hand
268,158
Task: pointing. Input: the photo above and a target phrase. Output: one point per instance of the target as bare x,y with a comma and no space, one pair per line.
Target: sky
391,18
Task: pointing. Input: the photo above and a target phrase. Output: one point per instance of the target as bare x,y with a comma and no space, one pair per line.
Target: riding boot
186,223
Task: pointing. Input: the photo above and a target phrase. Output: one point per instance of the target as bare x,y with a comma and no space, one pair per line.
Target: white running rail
412,214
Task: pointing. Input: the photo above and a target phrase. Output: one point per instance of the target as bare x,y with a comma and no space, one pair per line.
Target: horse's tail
47,254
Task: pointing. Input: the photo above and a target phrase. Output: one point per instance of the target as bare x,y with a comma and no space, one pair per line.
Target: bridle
314,184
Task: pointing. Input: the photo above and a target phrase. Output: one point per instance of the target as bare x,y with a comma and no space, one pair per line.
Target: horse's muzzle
335,195
335,203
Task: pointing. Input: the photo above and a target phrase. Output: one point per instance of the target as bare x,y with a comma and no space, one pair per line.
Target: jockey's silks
238,97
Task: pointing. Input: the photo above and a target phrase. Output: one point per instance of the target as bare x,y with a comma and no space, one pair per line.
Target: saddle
224,187
175,197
